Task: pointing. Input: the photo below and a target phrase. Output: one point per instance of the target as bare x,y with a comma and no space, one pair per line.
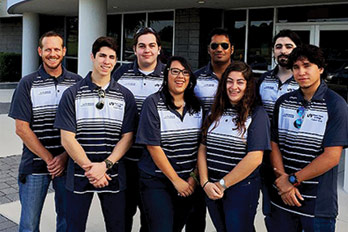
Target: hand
95,171
184,188
57,165
192,182
282,182
213,191
291,197
102,182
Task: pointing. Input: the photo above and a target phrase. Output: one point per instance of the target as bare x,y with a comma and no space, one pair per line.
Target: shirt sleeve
336,133
130,115
149,130
259,131
21,105
66,114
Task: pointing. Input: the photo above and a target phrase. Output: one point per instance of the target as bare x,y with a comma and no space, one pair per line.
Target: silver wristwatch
222,183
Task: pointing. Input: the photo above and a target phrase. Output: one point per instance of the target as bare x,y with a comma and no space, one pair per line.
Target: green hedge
10,67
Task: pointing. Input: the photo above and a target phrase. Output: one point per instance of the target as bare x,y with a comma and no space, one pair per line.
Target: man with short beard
280,80
272,85
34,106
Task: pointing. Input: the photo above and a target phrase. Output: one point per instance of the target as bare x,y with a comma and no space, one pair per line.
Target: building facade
184,27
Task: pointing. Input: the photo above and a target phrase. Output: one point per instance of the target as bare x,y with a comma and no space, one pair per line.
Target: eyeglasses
101,94
298,122
143,29
224,45
176,71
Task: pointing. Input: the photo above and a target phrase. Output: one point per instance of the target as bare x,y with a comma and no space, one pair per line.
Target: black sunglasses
224,45
298,122
101,94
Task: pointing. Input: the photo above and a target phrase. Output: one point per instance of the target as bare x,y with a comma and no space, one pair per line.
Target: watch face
222,182
292,179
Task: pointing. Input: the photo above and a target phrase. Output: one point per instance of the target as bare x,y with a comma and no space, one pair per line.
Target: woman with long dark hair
170,127
235,135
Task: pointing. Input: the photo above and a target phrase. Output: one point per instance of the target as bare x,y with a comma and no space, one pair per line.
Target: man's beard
281,61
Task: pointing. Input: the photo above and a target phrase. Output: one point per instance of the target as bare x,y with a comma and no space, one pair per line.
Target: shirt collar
93,86
318,95
45,75
274,73
209,71
157,72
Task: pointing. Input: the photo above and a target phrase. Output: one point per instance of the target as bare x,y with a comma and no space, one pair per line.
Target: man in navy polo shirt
34,105
271,86
97,120
274,83
142,77
310,129
220,50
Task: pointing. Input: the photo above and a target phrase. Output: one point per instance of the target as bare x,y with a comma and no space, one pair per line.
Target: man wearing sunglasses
220,50
142,77
97,120
34,105
309,131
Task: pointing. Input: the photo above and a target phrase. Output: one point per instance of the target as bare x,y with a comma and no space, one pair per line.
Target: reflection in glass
132,22
72,27
163,22
235,23
260,39
337,60
114,30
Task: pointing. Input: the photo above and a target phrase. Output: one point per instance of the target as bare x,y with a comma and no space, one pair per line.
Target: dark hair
104,42
50,34
219,31
290,34
144,31
192,103
221,101
314,55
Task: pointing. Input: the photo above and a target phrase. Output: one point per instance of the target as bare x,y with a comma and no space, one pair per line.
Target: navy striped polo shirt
177,135
325,124
97,130
271,88
226,146
207,84
35,101
141,86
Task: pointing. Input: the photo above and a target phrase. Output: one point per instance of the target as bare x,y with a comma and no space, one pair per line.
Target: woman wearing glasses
169,127
235,135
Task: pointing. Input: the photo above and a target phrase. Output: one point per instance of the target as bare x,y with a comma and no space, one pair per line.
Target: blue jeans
165,210
281,220
32,194
113,208
235,212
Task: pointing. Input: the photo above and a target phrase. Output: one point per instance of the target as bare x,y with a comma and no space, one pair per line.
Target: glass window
114,23
337,60
132,22
313,13
235,23
260,38
72,27
163,22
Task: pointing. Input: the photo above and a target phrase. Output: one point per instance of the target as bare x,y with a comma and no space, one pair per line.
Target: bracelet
205,184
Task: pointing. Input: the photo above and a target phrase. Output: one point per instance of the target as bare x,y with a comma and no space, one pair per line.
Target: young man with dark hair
97,120
34,105
142,77
220,50
310,129
278,81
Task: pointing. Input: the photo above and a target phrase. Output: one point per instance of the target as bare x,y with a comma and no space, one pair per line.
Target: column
30,37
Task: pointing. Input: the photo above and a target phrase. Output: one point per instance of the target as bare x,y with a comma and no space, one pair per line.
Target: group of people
174,142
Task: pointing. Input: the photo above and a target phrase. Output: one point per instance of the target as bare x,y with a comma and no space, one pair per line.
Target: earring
191,85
